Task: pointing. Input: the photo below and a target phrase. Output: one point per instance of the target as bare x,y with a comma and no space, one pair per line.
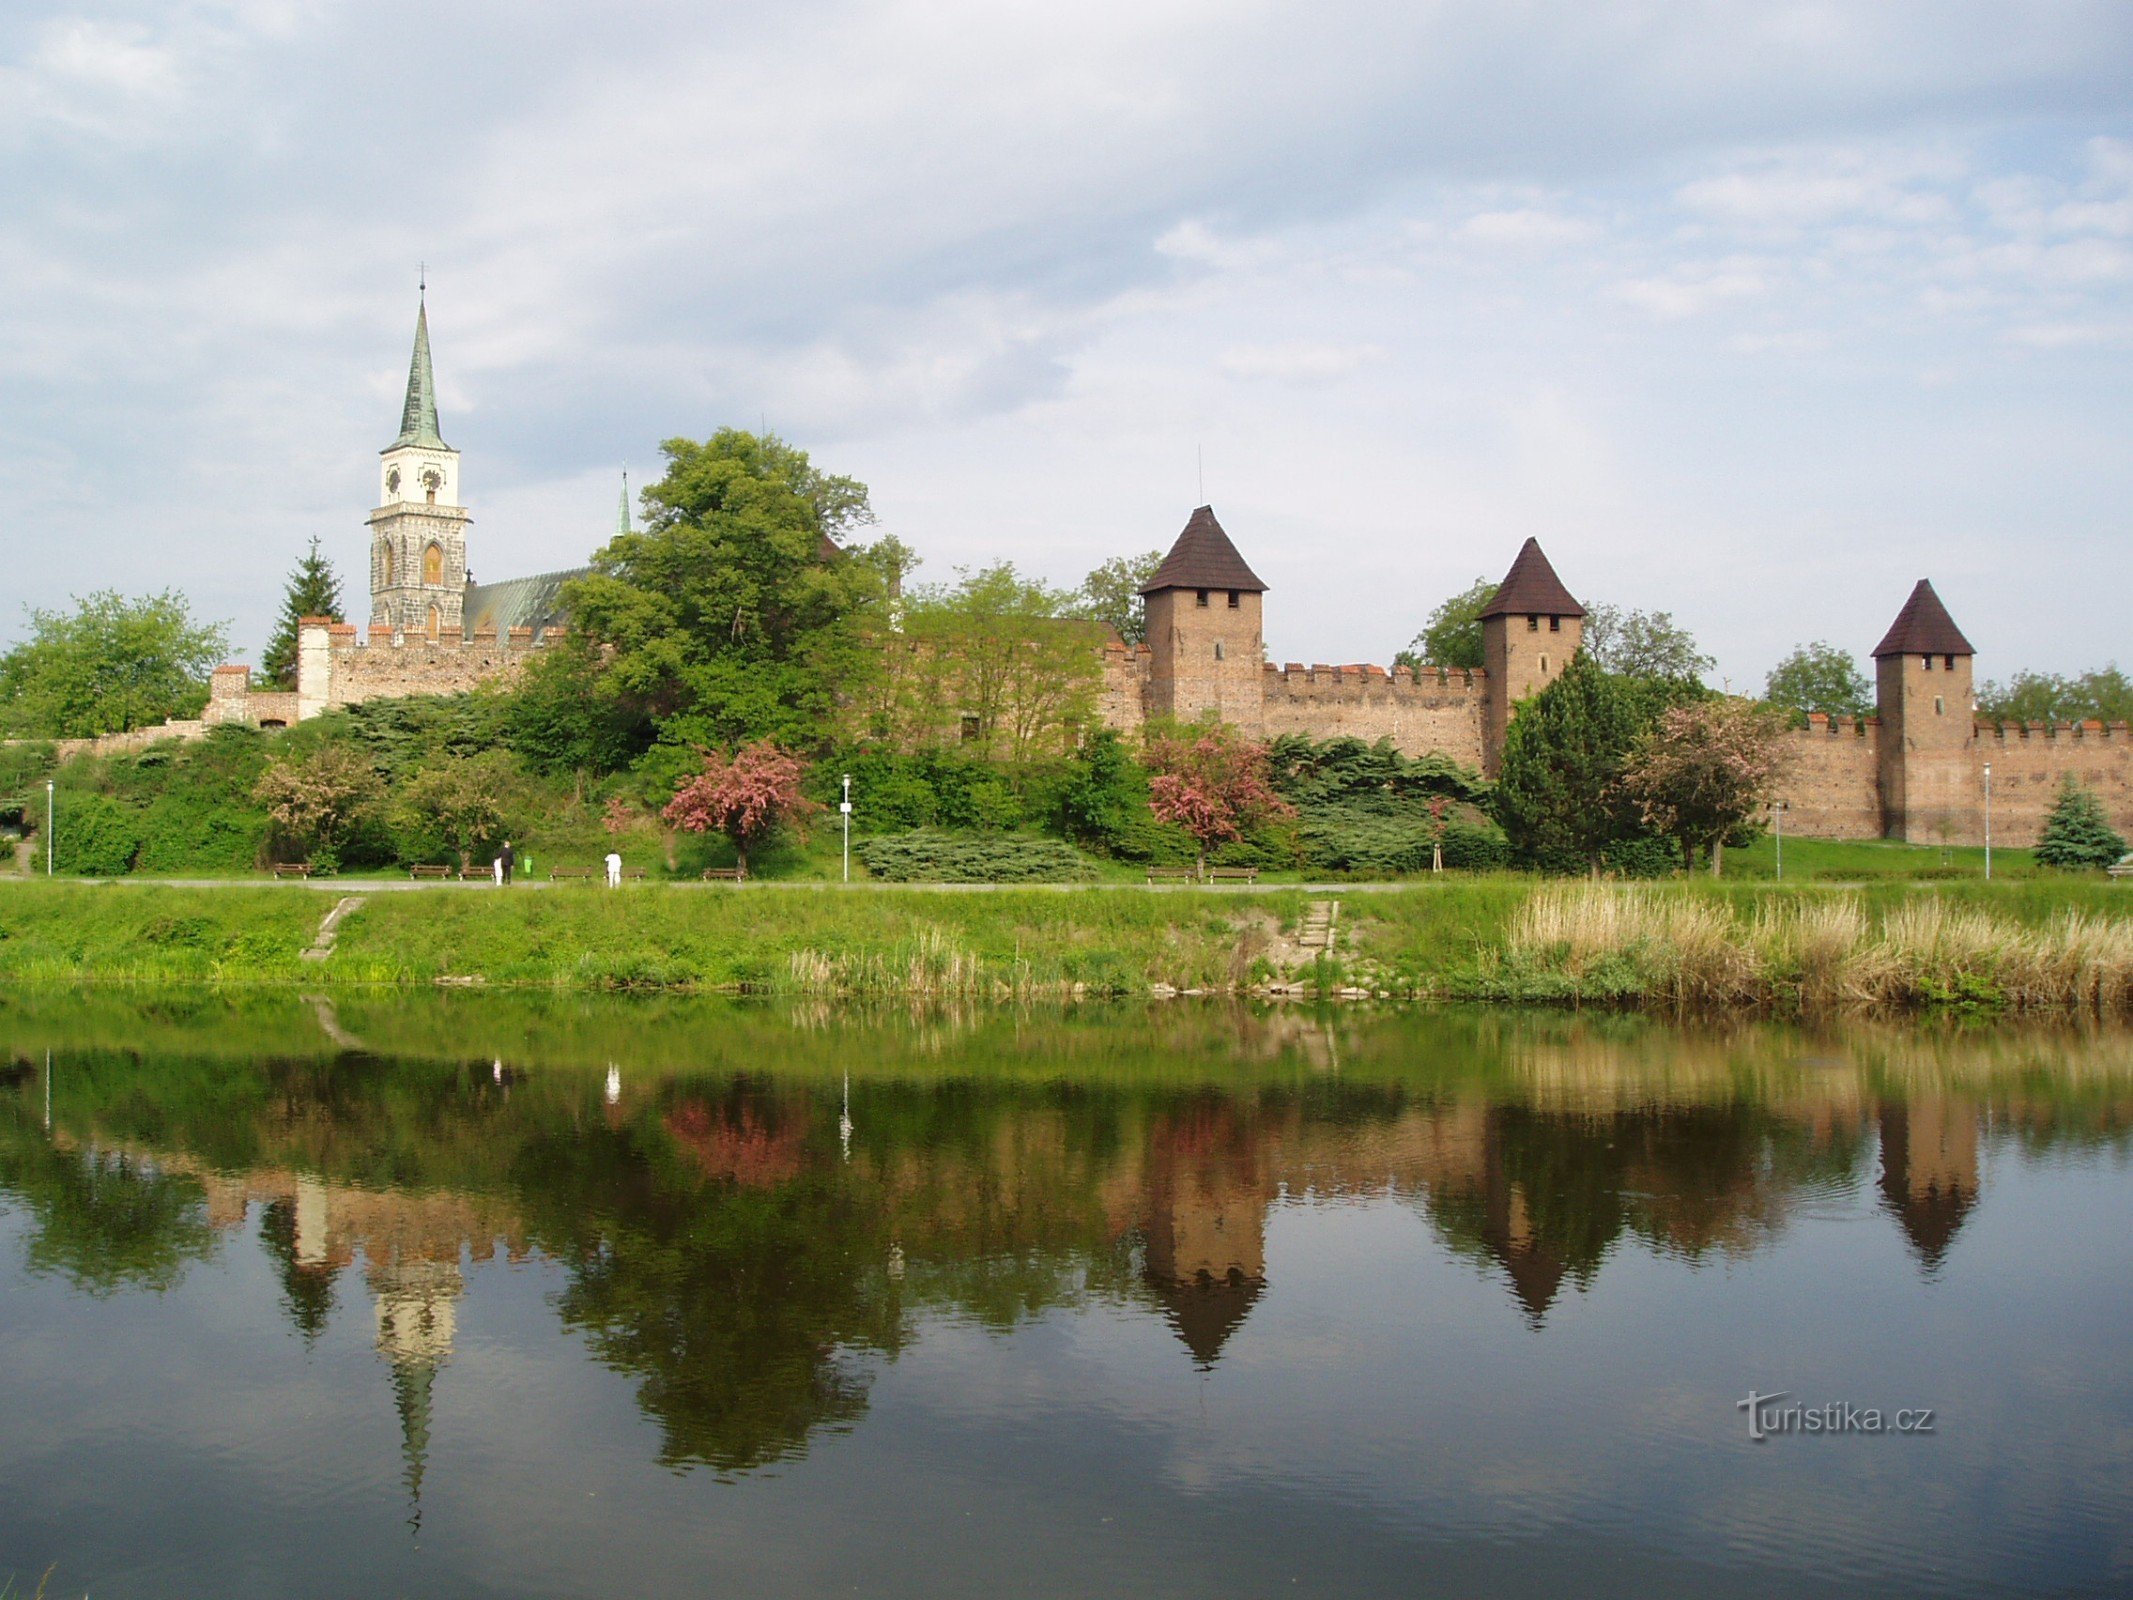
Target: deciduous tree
1211,781
1819,677
2103,695
1111,595
316,802
1705,770
747,797
110,664
1643,644
459,805
1451,637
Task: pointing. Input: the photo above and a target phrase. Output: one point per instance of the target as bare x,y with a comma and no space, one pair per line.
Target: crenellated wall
337,666
1433,710
2030,762
1833,787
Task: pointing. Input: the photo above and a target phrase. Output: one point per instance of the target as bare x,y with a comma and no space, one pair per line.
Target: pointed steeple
1532,588
622,517
1923,627
1203,558
418,418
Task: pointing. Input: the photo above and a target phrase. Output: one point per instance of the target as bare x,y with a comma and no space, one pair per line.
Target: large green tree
1112,595
110,664
1451,637
1643,644
1705,770
1559,794
2103,695
1819,677
737,613
313,590
2077,833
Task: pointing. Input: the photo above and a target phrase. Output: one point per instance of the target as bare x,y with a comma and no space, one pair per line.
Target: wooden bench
292,869
2122,867
1173,875
573,872
722,875
431,869
1232,874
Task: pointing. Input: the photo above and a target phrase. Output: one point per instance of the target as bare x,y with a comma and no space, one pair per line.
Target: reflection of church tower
1206,1226
1929,1172
417,1317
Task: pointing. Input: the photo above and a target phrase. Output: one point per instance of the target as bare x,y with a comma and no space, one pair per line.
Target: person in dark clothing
509,858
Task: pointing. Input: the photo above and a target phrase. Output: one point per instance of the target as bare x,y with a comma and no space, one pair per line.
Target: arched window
435,623
385,566
433,564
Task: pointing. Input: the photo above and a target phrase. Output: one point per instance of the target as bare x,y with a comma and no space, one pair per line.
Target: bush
96,837
1369,843
926,856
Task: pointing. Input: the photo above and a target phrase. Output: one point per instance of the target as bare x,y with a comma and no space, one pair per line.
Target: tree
1559,792
1819,677
735,614
1643,644
457,806
1112,595
1706,770
110,664
747,798
2103,695
316,802
2077,833
1104,788
996,660
313,591
1451,637
1211,781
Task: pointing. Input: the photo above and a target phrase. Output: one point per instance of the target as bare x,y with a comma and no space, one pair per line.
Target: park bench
722,875
572,872
1232,874
2122,867
1172,875
431,869
292,869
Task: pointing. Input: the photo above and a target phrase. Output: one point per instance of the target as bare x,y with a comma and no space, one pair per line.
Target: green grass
1874,860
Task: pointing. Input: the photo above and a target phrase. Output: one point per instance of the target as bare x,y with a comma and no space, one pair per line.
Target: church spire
418,418
622,517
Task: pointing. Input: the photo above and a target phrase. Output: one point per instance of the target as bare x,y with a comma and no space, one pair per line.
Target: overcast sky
1754,312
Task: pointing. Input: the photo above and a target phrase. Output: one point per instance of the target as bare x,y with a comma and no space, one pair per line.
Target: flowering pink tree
1704,770
1212,783
747,798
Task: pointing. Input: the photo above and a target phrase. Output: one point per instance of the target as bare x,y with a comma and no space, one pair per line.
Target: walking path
322,943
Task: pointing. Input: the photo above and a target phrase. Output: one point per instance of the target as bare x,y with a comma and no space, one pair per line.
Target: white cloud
1301,362
1691,291
1524,226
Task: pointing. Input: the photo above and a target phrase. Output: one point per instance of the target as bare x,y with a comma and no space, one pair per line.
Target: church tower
418,534
1203,631
1924,692
1529,632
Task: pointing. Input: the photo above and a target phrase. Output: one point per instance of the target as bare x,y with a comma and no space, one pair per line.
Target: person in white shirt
614,869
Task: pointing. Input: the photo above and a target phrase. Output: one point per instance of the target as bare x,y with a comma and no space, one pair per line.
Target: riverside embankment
2042,945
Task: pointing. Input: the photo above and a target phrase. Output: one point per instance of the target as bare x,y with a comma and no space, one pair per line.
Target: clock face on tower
392,480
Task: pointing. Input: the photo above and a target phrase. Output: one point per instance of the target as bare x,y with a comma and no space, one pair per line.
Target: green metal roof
535,602
418,418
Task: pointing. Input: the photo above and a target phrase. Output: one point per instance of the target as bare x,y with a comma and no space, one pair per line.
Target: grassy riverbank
2041,945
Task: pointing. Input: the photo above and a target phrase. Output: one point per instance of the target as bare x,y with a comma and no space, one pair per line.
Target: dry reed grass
1821,954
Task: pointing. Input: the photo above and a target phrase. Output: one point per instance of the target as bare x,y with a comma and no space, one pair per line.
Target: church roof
1203,558
1532,589
418,418
1923,627
535,602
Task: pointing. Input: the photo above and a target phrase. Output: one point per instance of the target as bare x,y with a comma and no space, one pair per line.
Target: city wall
2029,762
1432,710
1833,786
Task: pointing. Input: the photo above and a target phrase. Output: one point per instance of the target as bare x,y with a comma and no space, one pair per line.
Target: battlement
1319,680
2002,733
1839,727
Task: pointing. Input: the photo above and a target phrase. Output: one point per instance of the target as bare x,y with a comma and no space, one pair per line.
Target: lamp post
844,808
1988,822
1777,815
48,827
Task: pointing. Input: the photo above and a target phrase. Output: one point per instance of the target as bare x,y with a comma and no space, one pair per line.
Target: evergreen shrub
925,855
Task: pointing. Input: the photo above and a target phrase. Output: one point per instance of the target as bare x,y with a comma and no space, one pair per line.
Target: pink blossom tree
1705,769
1212,782
747,797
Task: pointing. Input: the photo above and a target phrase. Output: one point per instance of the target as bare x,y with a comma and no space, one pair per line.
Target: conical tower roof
1203,558
1532,589
1923,628
418,418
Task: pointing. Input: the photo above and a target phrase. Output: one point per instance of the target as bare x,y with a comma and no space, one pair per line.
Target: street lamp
844,807
1777,815
48,827
1988,822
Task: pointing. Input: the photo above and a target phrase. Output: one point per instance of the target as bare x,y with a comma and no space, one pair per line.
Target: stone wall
387,664
1833,790
1434,711
2029,763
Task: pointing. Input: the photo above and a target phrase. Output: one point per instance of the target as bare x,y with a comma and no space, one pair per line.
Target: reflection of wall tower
418,534
417,1306
1206,1199
1929,1171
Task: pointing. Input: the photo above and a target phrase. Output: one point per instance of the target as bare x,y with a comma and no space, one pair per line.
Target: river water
488,1296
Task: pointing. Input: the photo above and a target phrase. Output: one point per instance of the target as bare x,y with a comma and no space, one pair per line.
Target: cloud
1300,363
1524,226
1691,291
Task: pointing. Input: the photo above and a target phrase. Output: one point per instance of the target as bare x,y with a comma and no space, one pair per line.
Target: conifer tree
313,591
1560,795
2077,833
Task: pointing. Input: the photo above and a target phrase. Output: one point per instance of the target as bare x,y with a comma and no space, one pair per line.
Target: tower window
1555,624
1939,706
1533,624
1926,662
392,480
1947,663
435,624
973,729
385,566
1221,653
1200,599
1233,601
1544,666
433,564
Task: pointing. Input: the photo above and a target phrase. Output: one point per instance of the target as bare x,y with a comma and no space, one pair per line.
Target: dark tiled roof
1532,589
1203,558
535,602
1923,627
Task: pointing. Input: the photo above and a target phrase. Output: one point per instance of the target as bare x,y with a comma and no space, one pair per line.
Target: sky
1751,312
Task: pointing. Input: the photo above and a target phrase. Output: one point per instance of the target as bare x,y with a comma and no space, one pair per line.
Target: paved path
868,886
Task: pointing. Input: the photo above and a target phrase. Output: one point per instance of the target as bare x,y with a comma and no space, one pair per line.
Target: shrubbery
96,837
925,856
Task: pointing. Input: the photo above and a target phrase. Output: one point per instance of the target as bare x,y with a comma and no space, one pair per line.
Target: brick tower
1922,686
418,534
1529,632
1203,631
